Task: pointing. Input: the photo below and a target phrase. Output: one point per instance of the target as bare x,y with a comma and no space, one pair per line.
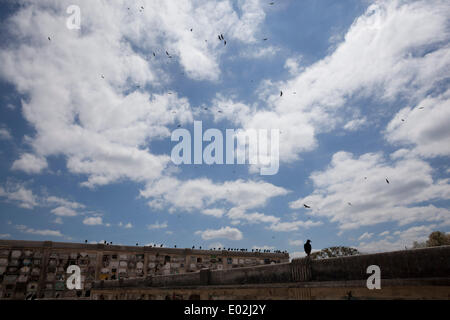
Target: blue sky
86,119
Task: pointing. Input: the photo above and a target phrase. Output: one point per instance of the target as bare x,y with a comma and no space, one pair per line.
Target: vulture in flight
306,206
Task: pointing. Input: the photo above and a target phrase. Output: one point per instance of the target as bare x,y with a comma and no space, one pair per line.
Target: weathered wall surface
29,267
336,290
418,263
412,274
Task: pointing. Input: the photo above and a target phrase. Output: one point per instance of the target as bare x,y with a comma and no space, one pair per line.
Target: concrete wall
31,267
410,264
418,263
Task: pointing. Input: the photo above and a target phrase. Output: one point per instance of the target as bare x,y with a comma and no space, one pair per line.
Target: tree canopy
334,252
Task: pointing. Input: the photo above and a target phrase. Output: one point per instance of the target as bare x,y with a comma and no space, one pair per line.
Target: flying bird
225,43
281,93
265,39
306,206
387,180
49,39
307,247
349,203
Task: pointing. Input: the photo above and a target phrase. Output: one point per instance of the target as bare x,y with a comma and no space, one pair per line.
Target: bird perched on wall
307,247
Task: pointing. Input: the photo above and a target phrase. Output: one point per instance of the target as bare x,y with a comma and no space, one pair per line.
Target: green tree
334,252
438,238
435,239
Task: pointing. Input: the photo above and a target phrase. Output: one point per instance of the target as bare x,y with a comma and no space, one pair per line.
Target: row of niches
16,254
19,265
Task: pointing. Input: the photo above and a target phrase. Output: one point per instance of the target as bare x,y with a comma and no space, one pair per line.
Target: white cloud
52,200
5,235
225,233
197,194
64,212
93,221
404,238
215,212
158,225
5,134
45,232
384,56
126,226
30,163
365,235
58,220
355,124
294,225
423,127
353,192
293,65
86,106
296,242
259,52
19,194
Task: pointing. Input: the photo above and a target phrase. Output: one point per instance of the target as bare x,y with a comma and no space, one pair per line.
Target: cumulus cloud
5,134
372,61
355,124
424,128
86,106
126,226
45,232
18,193
30,163
401,239
225,233
64,212
197,194
352,191
157,225
52,200
93,221
215,212
294,225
